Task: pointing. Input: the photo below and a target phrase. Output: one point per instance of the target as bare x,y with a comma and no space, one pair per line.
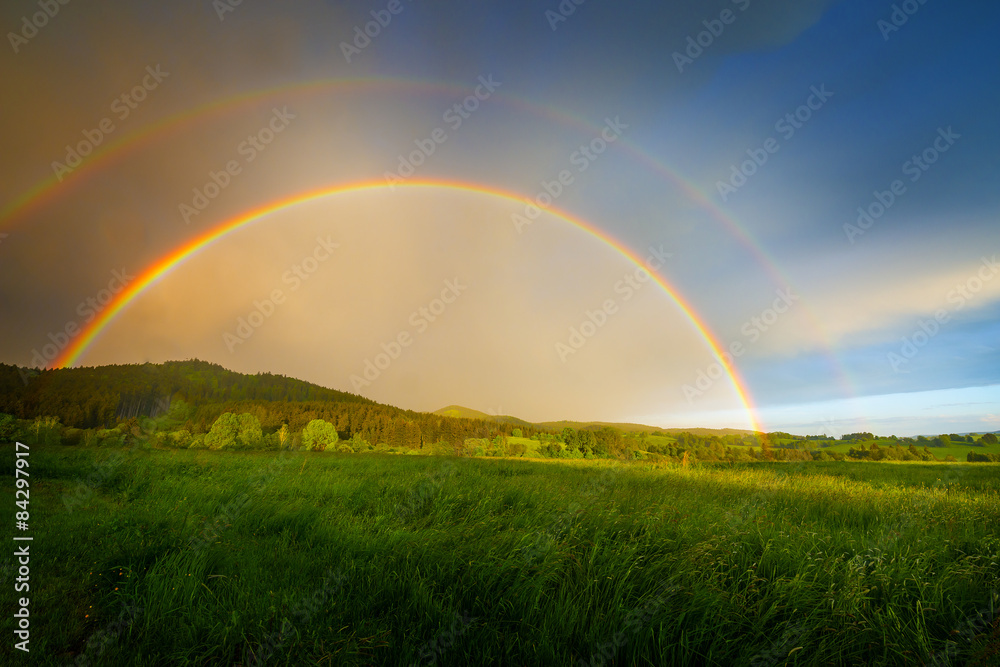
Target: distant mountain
460,412
638,428
469,413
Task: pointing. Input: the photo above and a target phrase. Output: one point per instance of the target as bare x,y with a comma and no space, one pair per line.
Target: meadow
188,557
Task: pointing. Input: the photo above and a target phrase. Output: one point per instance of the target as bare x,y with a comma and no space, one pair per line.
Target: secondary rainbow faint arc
78,347
104,154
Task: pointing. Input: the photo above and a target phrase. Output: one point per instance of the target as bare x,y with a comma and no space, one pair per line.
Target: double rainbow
78,347
113,152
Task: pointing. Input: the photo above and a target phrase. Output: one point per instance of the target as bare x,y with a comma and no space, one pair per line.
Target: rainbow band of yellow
78,347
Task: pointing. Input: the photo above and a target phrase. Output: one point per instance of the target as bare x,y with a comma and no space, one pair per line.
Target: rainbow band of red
78,347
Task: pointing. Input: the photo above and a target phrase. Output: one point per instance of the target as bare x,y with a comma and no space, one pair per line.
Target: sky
736,213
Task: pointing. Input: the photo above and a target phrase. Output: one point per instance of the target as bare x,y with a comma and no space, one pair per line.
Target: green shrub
44,430
9,429
235,432
320,435
109,437
359,444
72,436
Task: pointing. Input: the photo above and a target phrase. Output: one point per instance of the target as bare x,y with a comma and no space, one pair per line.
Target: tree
411,435
765,447
988,439
179,410
359,444
397,434
249,434
611,441
234,432
8,428
46,430
552,450
222,435
320,435
587,441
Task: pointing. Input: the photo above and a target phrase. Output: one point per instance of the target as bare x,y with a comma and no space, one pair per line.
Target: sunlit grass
475,561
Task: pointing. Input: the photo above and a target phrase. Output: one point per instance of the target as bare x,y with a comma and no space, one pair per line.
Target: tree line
203,405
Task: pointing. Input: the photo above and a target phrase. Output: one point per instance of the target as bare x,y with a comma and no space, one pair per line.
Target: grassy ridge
184,557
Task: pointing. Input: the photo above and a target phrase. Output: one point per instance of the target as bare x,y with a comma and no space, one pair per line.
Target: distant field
958,451
662,440
531,446
201,557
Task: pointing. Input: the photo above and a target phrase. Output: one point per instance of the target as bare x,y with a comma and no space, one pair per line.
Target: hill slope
97,396
191,395
460,412
470,413
639,428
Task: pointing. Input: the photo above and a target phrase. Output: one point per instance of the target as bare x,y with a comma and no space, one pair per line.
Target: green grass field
198,557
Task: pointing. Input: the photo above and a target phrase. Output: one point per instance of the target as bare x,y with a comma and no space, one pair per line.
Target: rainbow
50,188
764,259
78,347
113,152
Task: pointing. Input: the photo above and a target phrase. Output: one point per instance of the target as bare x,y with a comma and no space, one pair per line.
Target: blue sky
831,359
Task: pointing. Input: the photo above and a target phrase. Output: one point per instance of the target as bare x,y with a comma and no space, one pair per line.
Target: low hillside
460,412
557,426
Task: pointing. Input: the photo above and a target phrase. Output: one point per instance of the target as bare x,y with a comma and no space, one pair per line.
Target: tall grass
193,558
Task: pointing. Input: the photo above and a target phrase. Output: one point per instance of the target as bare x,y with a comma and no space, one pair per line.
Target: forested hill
191,395
101,396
